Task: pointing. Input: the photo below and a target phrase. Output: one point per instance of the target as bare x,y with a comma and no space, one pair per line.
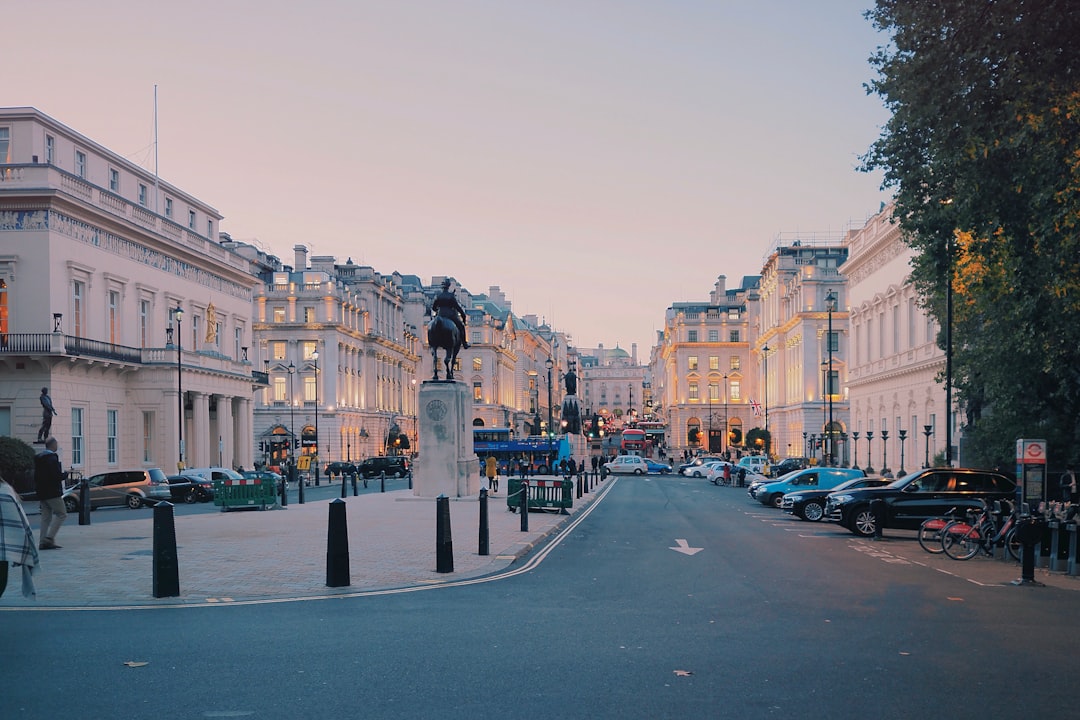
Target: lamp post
315,357
903,436
830,298
927,430
549,364
727,437
855,437
884,451
178,315
292,434
824,414
710,423
806,445
768,438
869,457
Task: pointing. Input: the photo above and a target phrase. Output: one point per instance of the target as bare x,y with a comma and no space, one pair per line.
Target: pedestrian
17,547
571,468
1068,484
727,473
492,471
47,413
49,479
742,477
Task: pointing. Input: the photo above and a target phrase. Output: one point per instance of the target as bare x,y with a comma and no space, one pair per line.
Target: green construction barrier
546,494
249,492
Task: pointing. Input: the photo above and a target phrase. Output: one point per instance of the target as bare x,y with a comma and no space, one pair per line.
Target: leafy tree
16,461
983,152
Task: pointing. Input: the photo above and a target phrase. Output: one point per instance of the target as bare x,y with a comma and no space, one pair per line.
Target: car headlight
840,499
793,498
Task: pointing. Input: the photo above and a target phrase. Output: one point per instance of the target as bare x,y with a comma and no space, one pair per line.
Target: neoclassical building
117,296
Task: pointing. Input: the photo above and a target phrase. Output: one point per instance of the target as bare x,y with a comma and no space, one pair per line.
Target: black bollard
344,491
382,481
444,544
337,546
523,506
355,491
295,476
483,545
877,507
166,565
84,502
1029,533
285,492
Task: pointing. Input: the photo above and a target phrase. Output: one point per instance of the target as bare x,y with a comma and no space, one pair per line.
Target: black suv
918,496
339,468
390,464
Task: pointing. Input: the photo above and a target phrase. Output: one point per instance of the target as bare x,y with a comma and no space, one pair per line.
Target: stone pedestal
446,464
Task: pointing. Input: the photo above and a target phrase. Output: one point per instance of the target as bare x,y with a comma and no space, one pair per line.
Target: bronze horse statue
443,333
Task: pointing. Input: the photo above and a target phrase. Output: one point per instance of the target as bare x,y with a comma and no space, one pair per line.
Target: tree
17,463
983,152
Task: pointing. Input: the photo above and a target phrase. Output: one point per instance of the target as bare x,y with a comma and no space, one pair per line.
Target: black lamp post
813,446
927,430
884,451
903,436
768,438
315,357
824,414
855,438
830,298
292,433
869,457
178,315
727,438
805,445
550,364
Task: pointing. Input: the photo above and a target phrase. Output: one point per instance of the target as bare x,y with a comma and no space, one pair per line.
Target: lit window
736,362
735,391
277,349
693,391
309,314
477,391
691,363
279,314
714,362
308,349
477,364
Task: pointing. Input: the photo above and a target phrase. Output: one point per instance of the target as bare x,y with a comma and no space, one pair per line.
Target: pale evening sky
598,160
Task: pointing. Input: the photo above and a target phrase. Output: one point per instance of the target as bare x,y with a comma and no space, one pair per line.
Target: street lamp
315,357
903,437
292,436
549,364
178,315
830,298
927,430
824,414
768,438
727,437
869,457
855,437
884,452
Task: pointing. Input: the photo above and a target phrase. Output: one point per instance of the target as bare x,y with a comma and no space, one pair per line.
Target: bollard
337,546
382,481
1029,533
410,478
1054,543
585,481
355,490
84,502
877,507
577,482
523,506
483,544
285,492
344,490
166,566
444,544
293,477
1071,527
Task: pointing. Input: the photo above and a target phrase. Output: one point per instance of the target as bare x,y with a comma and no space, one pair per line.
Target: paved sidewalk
245,555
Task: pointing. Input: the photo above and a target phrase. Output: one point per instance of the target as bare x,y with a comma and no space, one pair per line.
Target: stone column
446,464
226,432
198,447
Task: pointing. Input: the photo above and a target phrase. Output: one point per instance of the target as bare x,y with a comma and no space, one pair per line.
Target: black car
190,488
918,496
396,465
809,504
789,465
340,468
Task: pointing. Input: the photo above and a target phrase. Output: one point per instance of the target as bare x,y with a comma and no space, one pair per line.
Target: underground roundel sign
1031,452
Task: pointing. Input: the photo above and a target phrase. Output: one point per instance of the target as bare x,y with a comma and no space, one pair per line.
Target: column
169,443
226,432
198,447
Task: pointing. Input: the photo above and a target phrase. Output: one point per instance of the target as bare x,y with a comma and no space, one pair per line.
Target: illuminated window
691,362
477,364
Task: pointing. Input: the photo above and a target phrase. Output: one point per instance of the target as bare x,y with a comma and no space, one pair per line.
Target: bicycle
930,531
963,540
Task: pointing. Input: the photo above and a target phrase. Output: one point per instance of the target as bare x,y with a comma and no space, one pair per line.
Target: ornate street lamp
178,316
884,451
855,438
927,430
869,457
830,298
315,357
550,364
903,437
768,438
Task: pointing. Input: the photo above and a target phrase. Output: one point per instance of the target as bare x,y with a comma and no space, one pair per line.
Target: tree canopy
982,151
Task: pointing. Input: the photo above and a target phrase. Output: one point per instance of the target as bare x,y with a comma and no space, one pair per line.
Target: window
477,364
734,391
833,341
144,323
279,390
5,145
114,180
833,387
277,350
309,314
477,391
50,149
238,337
895,329
912,314
735,362
147,436
113,311
76,437
693,391
279,314
78,293
191,219
210,228
110,437
714,336
714,392
142,194
714,362
691,336
475,339
309,389
308,349
733,313
168,207
80,163
195,332
881,334
691,363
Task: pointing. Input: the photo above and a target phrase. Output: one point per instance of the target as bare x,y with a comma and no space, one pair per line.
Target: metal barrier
249,492
543,494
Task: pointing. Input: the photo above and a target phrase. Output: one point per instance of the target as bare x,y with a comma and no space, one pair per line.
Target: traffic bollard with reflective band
337,546
166,565
444,543
523,506
484,530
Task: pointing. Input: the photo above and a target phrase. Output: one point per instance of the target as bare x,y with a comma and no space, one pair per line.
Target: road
672,598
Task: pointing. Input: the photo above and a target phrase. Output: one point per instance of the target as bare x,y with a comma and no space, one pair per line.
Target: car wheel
134,501
813,511
191,496
637,471
71,505
863,521
776,499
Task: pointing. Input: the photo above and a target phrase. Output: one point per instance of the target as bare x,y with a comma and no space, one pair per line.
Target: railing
26,343
96,348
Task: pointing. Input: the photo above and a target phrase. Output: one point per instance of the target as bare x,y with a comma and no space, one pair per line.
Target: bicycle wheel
960,541
1013,545
930,535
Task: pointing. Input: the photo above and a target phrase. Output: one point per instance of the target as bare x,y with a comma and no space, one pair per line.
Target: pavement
248,555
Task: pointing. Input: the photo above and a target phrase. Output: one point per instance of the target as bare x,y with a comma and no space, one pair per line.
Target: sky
597,160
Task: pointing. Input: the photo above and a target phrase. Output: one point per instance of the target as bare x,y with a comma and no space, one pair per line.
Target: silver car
133,488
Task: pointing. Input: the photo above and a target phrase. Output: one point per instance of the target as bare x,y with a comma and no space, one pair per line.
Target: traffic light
296,443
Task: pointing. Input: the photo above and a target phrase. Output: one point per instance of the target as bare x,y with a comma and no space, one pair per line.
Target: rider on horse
446,305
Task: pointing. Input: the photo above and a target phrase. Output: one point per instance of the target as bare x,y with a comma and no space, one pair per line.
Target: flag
756,406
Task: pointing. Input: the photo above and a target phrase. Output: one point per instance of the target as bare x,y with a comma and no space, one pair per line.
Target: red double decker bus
633,441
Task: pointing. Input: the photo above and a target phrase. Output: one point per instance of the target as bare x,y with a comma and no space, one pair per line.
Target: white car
716,472
628,464
702,470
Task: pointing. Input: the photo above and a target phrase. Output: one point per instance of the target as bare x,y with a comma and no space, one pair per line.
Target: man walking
49,479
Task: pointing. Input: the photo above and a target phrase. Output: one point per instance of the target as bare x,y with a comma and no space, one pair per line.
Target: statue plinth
446,464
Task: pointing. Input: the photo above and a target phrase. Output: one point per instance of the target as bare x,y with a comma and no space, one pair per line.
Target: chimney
633,353
719,292
300,255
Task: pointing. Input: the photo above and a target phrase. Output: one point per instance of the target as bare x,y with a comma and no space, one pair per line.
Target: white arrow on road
684,547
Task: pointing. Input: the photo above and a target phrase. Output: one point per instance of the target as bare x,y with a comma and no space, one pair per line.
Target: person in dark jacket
49,479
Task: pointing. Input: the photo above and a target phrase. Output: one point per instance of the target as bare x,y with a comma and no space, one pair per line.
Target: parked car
758,481
755,463
809,504
658,467
339,468
396,465
627,464
826,477
190,488
700,460
264,475
920,495
133,488
787,465
28,491
716,472
703,470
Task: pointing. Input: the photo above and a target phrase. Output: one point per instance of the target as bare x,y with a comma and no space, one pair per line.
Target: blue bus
537,450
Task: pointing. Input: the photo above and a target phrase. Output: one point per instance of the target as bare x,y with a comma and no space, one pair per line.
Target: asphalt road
621,617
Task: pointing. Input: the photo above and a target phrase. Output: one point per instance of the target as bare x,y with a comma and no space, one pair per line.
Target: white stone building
96,256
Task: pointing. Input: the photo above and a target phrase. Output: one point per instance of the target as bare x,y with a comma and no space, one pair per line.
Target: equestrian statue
446,331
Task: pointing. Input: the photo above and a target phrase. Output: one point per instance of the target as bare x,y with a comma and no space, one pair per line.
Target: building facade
119,299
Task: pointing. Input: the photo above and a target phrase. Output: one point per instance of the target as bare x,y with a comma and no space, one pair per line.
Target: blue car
658,467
